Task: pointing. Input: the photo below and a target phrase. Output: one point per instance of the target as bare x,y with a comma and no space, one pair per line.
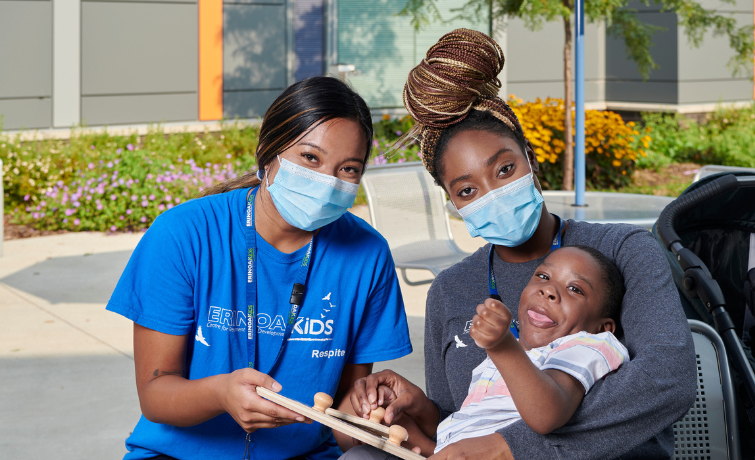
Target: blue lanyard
297,293
493,288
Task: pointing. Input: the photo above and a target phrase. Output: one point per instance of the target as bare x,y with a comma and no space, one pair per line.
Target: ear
607,325
529,150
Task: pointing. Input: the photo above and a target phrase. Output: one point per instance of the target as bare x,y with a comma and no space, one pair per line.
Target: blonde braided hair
458,74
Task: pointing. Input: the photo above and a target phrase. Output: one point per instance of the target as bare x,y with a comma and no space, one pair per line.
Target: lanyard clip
297,294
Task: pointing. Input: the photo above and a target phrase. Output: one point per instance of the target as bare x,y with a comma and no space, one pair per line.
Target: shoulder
604,343
203,212
352,231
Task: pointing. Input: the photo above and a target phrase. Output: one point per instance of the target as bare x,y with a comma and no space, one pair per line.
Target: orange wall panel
210,59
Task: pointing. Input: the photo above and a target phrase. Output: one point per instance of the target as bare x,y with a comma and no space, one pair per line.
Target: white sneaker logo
459,343
200,338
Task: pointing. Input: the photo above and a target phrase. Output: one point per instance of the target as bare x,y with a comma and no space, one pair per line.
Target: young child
568,313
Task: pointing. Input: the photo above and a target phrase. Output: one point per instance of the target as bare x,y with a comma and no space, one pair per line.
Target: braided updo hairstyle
454,89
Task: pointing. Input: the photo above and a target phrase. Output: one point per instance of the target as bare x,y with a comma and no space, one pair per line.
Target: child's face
565,296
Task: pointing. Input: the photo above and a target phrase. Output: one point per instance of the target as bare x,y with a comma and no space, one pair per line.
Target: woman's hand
490,447
398,396
490,326
238,397
167,396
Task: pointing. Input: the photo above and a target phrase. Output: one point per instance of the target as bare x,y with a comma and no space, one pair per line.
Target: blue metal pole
579,99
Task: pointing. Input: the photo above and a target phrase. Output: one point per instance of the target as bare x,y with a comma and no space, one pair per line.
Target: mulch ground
14,231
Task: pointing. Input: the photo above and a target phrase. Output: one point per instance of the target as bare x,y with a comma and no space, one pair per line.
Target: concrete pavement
66,364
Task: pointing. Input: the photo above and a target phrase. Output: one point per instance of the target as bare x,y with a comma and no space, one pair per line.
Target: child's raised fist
490,326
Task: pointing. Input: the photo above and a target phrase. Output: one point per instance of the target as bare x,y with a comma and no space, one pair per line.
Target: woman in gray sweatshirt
474,147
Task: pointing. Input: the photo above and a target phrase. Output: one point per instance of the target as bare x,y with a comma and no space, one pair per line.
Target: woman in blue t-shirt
265,281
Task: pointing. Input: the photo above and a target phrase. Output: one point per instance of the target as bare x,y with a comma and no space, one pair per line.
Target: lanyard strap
297,293
493,288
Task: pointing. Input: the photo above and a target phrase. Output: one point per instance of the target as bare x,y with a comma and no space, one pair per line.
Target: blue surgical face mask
507,216
308,199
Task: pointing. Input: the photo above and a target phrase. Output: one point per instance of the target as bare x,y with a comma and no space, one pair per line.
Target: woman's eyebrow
459,179
495,156
314,146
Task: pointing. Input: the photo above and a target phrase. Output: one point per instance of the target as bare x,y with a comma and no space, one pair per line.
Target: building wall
25,64
110,62
535,61
138,61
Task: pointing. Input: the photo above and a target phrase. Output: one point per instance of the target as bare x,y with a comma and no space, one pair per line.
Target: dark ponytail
300,108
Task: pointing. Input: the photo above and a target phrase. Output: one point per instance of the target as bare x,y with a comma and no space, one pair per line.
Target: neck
537,246
271,226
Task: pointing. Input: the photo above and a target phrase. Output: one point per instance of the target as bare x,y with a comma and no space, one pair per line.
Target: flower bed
116,183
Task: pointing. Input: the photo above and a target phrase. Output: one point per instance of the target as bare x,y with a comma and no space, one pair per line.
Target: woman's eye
576,290
352,169
542,276
309,157
505,169
466,191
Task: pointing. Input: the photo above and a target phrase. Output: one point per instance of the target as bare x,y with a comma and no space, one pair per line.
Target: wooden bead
397,434
323,401
377,415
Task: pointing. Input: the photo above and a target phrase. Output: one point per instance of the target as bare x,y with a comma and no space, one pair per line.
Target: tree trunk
568,182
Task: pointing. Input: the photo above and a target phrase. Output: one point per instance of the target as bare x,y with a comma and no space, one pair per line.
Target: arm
166,396
648,393
545,399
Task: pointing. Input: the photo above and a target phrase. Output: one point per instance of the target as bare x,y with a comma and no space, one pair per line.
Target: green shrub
726,137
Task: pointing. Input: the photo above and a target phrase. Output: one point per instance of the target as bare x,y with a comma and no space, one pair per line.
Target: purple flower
99,206
145,203
122,217
170,205
59,183
43,203
161,207
151,198
149,176
110,163
42,215
35,215
143,219
130,147
76,203
228,155
26,197
398,133
65,221
375,143
68,212
128,211
91,147
90,166
76,222
134,197
178,200
113,228
168,198
113,197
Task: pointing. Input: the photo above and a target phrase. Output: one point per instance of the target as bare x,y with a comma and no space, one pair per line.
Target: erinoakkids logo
305,329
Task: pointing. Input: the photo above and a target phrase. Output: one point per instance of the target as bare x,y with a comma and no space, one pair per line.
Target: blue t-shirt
188,276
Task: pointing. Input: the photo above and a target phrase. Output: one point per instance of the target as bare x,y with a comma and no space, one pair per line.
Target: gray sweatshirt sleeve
628,413
437,384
